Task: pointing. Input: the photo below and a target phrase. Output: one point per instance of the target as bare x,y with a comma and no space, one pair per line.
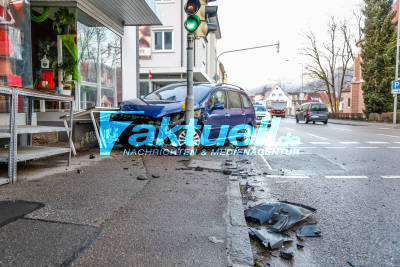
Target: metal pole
397,66
190,95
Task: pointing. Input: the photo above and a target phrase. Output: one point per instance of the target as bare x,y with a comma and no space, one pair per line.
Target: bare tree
331,60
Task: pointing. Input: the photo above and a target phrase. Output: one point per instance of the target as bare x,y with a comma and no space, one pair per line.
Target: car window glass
234,100
246,102
218,97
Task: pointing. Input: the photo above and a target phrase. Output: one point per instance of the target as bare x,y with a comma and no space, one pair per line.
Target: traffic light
200,16
193,21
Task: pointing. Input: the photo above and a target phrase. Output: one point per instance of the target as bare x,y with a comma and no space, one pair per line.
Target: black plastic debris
270,239
286,255
227,172
308,230
155,176
141,178
351,264
199,169
92,156
279,215
300,246
79,171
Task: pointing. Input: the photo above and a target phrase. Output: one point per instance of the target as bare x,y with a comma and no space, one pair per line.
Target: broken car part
270,239
279,215
308,230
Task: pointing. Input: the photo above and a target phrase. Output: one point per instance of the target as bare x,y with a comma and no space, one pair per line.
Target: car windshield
177,93
260,108
318,107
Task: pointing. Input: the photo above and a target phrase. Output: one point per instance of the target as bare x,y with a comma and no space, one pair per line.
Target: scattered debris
308,230
227,172
141,178
155,176
300,246
270,239
214,240
126,169
279,215
351,264
286,255
79,171
183,169
184,160
92,156
199,169
266,173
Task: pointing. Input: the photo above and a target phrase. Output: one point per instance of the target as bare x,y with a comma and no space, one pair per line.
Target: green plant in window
63,21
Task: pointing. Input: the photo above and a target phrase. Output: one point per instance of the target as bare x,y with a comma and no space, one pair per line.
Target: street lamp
216,77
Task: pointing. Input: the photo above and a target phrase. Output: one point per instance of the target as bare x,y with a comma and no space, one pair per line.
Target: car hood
153,108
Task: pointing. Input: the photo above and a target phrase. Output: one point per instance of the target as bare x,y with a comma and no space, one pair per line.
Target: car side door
235,108
247,110
216,112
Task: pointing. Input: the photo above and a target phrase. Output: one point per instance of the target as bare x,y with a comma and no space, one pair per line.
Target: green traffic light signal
192,23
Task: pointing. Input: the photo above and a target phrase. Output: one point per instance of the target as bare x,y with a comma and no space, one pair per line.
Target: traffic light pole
189,115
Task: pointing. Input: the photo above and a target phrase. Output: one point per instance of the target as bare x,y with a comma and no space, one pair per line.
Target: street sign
396,87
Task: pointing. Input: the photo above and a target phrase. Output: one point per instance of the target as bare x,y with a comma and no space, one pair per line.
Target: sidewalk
107,217
363,123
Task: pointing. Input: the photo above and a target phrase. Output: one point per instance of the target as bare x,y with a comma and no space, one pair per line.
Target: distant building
276,94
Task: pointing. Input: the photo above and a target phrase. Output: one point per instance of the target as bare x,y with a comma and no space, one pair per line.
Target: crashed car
215,105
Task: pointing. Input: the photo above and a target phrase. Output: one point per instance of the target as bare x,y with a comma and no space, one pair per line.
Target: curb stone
239,248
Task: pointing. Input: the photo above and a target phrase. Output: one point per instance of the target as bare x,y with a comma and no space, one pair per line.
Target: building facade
163,51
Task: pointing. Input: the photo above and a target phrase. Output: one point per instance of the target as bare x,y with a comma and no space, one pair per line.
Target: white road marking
397,142
308,147
335,147
317,136
346,177
394,136
320,143
288,177
384,128
376,142
290,129
349,142
266,162
394,147
391,177
367,147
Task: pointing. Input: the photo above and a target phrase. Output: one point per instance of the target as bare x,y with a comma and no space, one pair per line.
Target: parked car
215,105
314,111
262,113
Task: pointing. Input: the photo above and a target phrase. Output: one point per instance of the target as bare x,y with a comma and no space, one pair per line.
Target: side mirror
218,106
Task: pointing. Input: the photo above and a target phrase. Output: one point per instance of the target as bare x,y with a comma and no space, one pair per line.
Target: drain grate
12,210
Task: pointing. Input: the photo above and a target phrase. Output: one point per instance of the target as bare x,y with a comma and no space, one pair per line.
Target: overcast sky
258,22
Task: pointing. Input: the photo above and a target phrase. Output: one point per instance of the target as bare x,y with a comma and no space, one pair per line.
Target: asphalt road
351,175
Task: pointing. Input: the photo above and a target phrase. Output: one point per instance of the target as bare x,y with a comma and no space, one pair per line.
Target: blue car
215,105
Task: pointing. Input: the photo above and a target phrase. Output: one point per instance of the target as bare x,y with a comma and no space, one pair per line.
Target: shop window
99,59
15,44
348,102
163,40
144,88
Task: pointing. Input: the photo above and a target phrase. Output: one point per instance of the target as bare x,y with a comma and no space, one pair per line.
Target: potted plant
64,21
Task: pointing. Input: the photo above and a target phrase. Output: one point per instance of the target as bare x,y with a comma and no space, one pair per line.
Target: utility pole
397,66
190,95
